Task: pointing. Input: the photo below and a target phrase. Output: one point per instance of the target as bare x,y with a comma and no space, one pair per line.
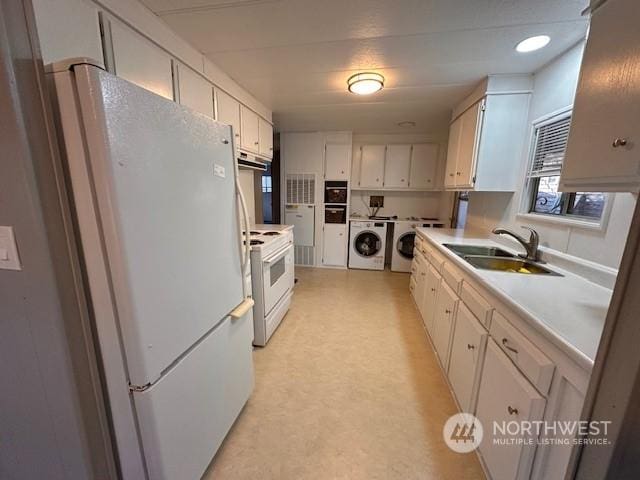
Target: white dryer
404,235
367,240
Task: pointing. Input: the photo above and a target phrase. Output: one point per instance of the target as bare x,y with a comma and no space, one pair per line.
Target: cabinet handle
422,273
451,174
619,142
433,289
511,410
237,135
225,141
504,343
470,347
447,311
402,179
255,143
458,173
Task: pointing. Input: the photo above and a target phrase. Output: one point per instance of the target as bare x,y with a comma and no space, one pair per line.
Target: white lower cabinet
498,368
430,295
443,322
466,359
505,396
334,245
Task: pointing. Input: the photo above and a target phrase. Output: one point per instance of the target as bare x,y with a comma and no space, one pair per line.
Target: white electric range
272,277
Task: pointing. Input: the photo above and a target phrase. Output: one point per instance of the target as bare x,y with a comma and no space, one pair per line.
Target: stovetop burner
255,242
271,234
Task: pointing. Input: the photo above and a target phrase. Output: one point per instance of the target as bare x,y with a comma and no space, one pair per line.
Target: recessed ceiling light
365,83
533,43
407,124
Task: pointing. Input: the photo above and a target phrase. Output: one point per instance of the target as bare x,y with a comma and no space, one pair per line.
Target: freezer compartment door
185,416
163,178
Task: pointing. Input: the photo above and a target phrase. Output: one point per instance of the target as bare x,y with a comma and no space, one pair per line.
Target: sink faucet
530,246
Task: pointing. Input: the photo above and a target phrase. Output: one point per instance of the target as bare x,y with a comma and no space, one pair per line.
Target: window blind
550,144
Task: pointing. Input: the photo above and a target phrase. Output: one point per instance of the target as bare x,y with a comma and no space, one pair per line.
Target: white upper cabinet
195,92
603,153
372,165
249,130
337,160
139,61
396,170
487,135
398,167
68,29
265,139
228,111
424,163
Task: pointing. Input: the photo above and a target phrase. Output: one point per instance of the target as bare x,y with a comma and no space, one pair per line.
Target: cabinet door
336,161
443,321
228,111
506,395
195,92
334,245
467,353
372,165
139,61
607,105
396,168
265,130
249,130
67,29
452,153
421,267
430,296
468,146
424,161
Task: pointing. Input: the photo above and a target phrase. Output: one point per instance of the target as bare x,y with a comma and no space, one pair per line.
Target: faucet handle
533,234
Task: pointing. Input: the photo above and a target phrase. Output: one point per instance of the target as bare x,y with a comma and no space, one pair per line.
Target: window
266,184
550,142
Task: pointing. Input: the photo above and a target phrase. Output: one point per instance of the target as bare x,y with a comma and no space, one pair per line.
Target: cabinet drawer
532,362
452,276
478,305
437,260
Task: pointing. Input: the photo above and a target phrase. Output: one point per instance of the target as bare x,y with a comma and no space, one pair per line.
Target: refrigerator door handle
242,309
247,223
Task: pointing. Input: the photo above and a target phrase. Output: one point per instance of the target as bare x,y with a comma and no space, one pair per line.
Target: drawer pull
470,347
433,290
447,311
511,410
619,142
423,274
504,344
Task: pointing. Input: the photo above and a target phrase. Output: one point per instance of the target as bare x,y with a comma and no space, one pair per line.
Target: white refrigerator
153,193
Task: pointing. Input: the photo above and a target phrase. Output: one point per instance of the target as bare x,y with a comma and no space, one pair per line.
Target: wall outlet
376,201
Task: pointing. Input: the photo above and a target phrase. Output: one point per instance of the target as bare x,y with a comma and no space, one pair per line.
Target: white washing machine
404,234
367,241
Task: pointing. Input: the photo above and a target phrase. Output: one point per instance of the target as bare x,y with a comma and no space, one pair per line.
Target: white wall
402,204
554,88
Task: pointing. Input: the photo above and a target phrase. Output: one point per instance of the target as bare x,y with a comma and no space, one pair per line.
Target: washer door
405,245
367,244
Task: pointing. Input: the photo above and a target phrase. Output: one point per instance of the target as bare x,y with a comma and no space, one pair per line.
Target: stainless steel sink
482,250
512,265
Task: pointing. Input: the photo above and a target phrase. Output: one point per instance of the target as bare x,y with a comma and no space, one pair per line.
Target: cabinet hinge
139,388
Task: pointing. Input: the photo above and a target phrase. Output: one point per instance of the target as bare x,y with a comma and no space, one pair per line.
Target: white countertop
274,227
569,310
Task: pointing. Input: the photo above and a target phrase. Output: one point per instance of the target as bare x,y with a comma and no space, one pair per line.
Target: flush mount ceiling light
532,44
365,83
407,124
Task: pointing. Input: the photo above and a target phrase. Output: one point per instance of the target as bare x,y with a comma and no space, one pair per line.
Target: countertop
569,310
274,227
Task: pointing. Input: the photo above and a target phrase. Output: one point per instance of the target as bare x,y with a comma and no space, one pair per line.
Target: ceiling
295,55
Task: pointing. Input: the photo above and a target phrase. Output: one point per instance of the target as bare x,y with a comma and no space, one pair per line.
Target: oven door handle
278,255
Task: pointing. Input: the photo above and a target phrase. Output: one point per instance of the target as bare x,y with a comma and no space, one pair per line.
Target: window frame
530,186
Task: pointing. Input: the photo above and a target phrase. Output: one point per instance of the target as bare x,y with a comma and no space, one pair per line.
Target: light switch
9,259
